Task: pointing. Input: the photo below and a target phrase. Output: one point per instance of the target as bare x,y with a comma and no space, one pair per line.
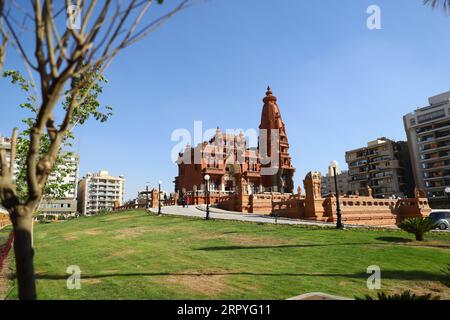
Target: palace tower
273,129
230,162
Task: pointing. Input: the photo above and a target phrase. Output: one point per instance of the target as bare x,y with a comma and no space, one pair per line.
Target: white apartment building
66,205
99,192
5,143
428,132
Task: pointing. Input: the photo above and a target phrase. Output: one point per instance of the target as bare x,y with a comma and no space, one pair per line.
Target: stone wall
4,220
258,203
358,210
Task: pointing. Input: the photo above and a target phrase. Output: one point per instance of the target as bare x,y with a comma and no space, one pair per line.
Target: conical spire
271,120
269,97
270,117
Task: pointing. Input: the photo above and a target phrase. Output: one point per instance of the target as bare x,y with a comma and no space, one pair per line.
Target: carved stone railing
4,220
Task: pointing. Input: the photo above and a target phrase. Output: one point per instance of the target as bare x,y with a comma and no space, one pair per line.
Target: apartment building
67,204
428,133
383,165
5,143
100,191
327,184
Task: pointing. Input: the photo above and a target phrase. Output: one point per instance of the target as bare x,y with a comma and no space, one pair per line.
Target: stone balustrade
4,220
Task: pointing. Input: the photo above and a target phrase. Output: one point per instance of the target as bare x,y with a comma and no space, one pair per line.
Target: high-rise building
5,143
384,166
226,157
67,203
99,192
428,133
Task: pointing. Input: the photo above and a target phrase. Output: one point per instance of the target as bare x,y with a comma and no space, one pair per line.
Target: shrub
418,226
406,295
103,212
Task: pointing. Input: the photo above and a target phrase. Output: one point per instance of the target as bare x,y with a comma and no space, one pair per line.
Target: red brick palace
227,159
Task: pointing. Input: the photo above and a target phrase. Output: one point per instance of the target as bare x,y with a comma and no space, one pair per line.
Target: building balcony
432,130
355,178
253,174
356,165
437,177
387,175
437,158
436,166
354,157
439,188
435,139
435,149
209,170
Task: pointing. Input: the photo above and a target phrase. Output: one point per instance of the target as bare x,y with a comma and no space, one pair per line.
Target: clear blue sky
338,84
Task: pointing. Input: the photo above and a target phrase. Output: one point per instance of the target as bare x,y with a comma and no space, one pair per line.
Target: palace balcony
214,171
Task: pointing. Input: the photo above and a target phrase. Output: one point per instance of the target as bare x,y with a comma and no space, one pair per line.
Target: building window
431,116
412,122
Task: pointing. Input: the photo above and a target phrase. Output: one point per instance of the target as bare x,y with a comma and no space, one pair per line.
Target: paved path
215,213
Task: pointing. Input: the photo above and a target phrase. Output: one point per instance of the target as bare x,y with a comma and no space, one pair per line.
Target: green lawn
132,255
4,236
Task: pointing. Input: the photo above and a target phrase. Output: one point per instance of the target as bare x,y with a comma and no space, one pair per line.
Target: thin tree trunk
419,236
24,253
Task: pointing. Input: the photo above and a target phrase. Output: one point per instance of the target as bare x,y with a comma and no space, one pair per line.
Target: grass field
132,255
3,236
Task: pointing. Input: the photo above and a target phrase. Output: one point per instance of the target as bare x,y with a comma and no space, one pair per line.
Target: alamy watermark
374,19
74,280
374,280
73,17
228,147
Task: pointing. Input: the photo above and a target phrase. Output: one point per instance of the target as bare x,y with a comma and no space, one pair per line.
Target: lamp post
207,177
334,164
146,197
159,197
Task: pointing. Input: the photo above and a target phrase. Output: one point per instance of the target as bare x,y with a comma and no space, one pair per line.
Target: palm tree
417,226
444,4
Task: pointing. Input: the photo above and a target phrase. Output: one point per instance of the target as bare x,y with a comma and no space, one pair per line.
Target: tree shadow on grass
284,246
394,239
413,275
388,241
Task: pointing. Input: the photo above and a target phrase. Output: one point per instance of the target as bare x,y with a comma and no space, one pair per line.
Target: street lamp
146,195
159,197
334,164
207,177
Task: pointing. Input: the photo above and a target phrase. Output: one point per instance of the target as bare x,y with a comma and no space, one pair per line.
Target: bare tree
58,58
444,4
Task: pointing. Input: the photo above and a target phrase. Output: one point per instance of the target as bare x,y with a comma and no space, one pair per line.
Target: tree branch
48,24
12,157
3,163
8,195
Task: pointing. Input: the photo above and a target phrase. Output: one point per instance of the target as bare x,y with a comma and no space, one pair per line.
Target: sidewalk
215,213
